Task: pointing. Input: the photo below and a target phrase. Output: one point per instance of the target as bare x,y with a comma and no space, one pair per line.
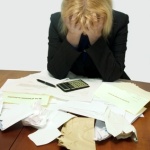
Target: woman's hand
74,30
94,30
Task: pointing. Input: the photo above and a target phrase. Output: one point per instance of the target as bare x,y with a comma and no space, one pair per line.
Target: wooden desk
8,137
15,137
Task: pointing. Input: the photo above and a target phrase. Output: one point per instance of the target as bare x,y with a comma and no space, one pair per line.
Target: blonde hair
83,10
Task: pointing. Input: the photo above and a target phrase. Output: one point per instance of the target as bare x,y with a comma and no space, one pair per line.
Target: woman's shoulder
55,18
120,17
56,15
120,20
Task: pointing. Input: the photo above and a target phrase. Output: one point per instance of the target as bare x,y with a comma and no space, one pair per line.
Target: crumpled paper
78,134
119,127
101,132
39,117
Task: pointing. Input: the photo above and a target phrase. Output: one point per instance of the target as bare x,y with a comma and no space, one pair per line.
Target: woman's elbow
56,75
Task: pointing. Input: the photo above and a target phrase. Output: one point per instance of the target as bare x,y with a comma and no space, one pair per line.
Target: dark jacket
105,58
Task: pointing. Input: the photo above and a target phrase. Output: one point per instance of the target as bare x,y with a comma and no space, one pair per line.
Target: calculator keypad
78,83
72,85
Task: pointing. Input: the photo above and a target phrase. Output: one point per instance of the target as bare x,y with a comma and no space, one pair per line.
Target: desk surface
16,137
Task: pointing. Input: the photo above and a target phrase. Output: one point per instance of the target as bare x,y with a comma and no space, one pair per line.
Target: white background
24,28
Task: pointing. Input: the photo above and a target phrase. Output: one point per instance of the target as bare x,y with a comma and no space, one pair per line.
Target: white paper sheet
45,135
96,109
14,115
58,118
93,109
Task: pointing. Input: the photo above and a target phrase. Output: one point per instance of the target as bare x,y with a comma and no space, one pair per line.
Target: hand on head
73,26
74,30
92,28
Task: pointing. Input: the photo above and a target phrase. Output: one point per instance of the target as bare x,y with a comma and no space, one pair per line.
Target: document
17,98
132,102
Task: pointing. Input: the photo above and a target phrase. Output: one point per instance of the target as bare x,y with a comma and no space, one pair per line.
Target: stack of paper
126,96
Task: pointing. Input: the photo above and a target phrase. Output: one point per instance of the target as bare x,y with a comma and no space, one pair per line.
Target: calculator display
72,85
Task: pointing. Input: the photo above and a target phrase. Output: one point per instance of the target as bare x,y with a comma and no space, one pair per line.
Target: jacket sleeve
61,54
109,58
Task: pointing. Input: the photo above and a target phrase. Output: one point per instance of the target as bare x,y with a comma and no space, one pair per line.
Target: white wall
138,52
24,35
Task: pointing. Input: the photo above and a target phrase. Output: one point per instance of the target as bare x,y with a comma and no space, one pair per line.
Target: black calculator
72,85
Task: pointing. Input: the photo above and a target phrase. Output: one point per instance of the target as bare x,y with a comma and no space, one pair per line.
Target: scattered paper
128,116
14,115
58,118
93,109
101,132
50,131
125,102
118,126
30,85
44,135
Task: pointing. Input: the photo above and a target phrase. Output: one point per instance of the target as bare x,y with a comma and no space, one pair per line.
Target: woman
88,38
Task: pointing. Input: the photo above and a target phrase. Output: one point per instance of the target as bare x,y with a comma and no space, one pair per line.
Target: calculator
72,85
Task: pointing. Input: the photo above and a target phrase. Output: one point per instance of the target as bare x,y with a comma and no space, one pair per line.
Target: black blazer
106,57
